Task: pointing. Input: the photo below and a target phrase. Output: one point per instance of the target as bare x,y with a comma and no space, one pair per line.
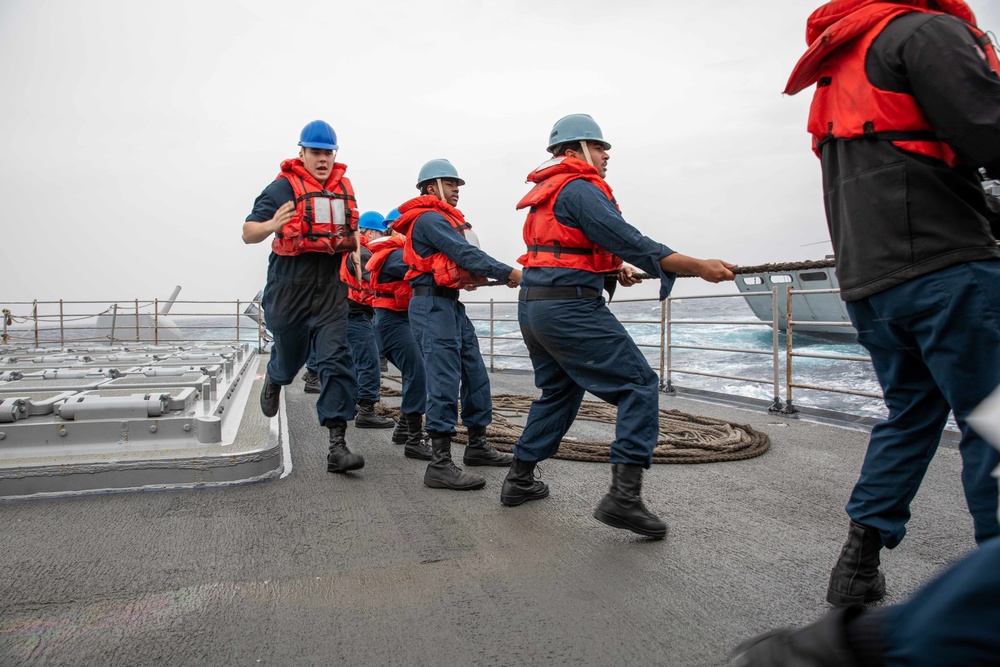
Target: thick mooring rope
683,438
737,270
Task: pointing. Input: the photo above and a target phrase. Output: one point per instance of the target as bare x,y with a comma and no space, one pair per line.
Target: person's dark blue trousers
453,364
935,345
395,339
952,622
578,345
364,351
306,308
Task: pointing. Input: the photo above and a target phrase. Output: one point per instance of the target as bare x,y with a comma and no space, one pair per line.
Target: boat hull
817,308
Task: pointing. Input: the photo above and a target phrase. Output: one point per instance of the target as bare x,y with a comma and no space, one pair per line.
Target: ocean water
502,348
643,319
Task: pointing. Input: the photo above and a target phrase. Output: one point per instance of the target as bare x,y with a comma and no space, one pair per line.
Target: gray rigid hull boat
817,308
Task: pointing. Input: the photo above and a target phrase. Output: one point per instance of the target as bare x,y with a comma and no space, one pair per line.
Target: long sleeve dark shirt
432,233
895,215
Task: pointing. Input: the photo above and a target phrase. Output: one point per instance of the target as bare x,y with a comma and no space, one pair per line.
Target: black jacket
895,215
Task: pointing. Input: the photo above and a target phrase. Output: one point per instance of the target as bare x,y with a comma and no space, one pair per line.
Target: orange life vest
551,243
326,216
846,105
359,292
395,294
445,271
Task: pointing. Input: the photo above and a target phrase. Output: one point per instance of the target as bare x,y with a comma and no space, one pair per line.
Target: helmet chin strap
586,152
440,192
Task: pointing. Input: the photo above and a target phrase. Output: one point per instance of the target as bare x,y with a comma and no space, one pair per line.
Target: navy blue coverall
578,345
395,339
305,303
446,337
361,340
953,620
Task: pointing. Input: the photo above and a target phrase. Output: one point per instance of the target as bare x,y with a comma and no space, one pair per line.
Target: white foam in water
854,376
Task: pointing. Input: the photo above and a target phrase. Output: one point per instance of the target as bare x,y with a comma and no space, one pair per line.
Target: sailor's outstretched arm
712,270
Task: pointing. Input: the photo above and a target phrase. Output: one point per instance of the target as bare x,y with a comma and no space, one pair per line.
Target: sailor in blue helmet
391,300
576,240
383,362
441,263
360,334
310,215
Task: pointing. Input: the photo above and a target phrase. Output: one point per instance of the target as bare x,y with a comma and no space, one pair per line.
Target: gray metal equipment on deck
113,418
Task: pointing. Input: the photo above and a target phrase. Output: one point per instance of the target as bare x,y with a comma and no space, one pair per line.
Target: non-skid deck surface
375,569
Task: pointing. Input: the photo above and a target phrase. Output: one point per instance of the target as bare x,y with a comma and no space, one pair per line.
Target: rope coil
683,438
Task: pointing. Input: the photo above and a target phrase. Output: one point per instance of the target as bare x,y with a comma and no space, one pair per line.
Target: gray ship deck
375,569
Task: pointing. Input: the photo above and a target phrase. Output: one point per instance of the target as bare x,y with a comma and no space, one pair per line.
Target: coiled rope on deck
683,438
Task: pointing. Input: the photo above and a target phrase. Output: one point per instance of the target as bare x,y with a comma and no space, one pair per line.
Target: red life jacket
445,271
846,105
551,243
395,294
326,216
359,292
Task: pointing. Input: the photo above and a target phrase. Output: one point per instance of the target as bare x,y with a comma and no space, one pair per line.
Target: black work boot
340,458
442,473
855,578
400,433
311,379
481,453
622,507
383,365
824,643
416,442
520,485
270,397
368,418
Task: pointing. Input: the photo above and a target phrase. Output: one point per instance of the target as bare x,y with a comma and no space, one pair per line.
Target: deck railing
779,362
791,354
781,377
67,323
669,323
64,323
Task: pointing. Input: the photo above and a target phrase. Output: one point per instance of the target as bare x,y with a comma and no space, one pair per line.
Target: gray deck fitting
255,453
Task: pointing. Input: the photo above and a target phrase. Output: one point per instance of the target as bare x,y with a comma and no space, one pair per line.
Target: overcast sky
137,135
